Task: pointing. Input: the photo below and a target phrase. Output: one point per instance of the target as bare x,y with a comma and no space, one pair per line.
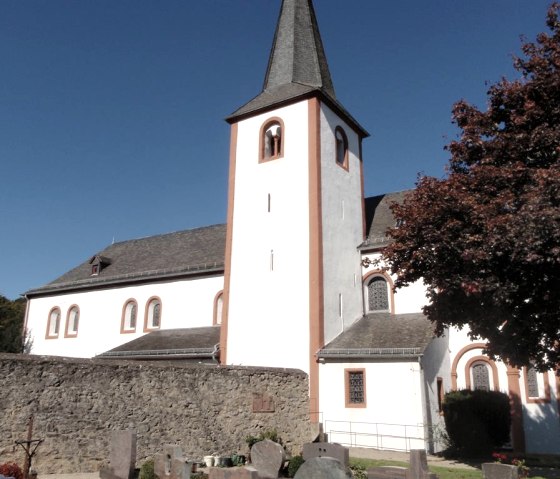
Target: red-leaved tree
486,239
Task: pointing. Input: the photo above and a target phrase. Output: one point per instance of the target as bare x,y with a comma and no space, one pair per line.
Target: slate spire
297,54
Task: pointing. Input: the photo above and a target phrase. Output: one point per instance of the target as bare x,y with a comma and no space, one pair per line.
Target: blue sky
111,111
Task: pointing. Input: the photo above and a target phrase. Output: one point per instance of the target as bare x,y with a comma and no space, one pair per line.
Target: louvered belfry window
481,379
378,297
356,393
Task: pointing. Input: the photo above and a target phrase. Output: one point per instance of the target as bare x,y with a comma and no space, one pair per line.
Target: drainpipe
215,353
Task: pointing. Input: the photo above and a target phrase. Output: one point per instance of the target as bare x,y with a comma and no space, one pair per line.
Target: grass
442,471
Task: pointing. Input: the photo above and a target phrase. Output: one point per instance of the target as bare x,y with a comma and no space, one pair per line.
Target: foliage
294,464
486,239
358,471
12,315
147,470
477,421
271,434
11,469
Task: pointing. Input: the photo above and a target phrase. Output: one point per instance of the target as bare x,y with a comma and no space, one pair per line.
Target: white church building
289,281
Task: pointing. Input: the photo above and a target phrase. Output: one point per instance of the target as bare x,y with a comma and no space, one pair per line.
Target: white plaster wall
407,300
268,318
185,304
391,405
342,221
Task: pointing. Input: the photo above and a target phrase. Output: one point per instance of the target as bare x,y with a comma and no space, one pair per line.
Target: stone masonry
204,409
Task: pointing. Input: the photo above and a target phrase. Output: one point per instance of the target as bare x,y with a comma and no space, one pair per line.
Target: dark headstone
495,470
323,468
326,449
418,468
267,457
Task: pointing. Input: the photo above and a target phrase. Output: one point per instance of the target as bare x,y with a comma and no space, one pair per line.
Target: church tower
295,210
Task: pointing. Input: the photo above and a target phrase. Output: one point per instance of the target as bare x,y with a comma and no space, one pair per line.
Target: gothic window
480,376
377,294
153,314
355,387
218,308
341,147
130,314
272,140
72,322
53,326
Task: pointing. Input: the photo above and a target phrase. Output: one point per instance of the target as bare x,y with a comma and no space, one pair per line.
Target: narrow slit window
341,147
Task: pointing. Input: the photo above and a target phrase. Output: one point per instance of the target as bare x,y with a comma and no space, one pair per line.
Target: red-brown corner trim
316,307
458,357
229,238
516,408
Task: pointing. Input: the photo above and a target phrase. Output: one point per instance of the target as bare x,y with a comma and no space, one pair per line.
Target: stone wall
76,404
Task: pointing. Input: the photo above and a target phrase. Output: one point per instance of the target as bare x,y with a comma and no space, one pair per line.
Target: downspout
215,353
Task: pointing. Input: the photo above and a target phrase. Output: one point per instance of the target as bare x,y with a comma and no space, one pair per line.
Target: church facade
290,281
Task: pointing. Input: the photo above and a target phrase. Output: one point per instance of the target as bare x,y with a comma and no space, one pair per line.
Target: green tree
12,315
486,239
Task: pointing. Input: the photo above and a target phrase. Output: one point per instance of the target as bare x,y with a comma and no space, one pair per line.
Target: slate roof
185,343
382,335
379,218
182,253
297,65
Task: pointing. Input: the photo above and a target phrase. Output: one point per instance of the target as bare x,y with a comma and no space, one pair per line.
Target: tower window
153,314
72,321
272,140
341,148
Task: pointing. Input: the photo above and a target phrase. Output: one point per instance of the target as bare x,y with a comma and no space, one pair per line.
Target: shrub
11,469
271,434
476,421
147,470
294,465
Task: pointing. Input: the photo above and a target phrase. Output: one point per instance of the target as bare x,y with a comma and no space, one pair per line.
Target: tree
12,315
486,239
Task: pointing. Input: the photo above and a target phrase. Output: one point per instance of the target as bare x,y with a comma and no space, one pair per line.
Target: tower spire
297,54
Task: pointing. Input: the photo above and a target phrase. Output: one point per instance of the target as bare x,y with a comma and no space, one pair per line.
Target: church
290,281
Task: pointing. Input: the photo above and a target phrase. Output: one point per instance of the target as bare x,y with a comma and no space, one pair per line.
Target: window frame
262,142
218,315
148,316
72,333
53,333
347,388
344,140
125,324
492,374
543,384
366,280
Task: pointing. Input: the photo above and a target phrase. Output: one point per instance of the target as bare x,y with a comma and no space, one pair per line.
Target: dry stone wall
77,403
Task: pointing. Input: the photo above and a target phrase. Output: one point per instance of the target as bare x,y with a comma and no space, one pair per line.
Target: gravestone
326,449
171,464
418,468
323,468
268,457
495,470
122,457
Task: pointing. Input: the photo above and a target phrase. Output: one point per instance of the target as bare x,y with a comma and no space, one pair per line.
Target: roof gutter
187,353
371,353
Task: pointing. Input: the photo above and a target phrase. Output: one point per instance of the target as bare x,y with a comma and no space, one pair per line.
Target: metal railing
395,437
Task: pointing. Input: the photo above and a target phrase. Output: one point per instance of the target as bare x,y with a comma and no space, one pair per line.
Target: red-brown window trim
147,329
47,334
440,394
265,126
219,294
542,399
495,386
390,288
347,402
67,332
125,330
